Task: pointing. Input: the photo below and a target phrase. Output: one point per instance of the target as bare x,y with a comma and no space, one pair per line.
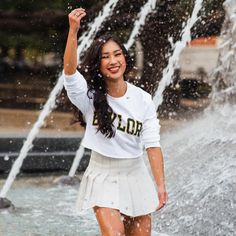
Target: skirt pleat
123,184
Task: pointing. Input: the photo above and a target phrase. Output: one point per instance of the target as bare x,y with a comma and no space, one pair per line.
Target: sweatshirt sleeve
76,87
151,128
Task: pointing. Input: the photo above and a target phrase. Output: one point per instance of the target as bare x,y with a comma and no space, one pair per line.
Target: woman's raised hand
70,55
75,17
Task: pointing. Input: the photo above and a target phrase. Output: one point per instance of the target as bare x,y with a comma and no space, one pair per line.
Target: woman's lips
114,69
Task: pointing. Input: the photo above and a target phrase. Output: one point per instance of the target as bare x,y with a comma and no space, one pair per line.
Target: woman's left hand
162,196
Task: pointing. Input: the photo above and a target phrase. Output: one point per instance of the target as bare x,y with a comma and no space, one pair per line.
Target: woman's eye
104,57
118,54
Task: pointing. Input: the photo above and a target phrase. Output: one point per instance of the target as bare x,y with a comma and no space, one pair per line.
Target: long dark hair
97,88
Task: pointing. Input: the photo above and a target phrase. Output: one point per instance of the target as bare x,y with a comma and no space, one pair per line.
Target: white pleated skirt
123,184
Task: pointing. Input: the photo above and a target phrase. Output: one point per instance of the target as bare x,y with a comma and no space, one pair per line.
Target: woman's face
113,62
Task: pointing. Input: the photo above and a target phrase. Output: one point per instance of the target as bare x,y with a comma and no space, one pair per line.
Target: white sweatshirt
134,119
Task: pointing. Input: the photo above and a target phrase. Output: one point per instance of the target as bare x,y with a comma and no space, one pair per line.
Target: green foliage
20,14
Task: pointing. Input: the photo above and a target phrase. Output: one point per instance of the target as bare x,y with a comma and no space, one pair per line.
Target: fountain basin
48,154
5,204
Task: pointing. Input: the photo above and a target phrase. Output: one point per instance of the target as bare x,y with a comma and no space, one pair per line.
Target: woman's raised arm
70,55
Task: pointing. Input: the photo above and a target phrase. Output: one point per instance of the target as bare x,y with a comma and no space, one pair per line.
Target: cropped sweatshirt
134,118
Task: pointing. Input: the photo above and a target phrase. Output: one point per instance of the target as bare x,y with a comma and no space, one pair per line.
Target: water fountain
201,157
224,73
200,171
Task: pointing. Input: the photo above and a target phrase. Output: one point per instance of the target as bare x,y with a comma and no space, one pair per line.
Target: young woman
120,118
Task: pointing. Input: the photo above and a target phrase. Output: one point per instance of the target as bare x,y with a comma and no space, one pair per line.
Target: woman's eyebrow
118,50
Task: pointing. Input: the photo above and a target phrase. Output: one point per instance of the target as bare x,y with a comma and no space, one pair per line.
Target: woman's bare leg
110,221
138,226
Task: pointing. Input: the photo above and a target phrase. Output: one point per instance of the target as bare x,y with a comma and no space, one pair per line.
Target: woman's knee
110,221
141,226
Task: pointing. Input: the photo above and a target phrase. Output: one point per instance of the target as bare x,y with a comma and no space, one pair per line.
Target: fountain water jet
224,85
178,48
87,37
203,151
49,106
145,10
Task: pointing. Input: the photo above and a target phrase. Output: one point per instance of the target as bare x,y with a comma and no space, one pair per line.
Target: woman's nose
112,60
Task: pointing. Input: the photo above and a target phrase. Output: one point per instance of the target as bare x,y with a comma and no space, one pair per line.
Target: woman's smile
114,69
113,64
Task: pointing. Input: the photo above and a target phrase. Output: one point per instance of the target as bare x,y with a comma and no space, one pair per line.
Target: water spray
174,59
224,85
144,12
48,107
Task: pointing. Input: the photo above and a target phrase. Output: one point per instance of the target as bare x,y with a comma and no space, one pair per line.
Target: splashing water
50,104
224,85
174,59
78,156
145,10
200,169
200,163
87,38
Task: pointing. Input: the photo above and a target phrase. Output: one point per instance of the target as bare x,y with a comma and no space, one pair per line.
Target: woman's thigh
110,221
138,226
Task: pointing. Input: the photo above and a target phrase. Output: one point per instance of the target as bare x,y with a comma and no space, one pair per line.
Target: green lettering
113,117
139,126
120,127
130,126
